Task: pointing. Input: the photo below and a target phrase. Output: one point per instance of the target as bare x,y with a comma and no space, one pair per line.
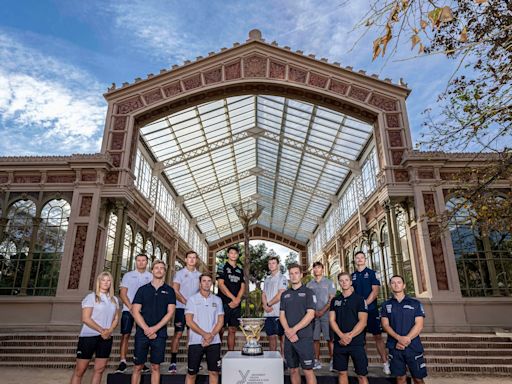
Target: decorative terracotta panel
27,179
89,175
395,139
130,105
92,279
153,96
401,176
117,140
396,157
172,89
213,76
393,120
116,159
429,203
120,123
255,66
358,93
297,75
232,71
85,206
60,178
426,174
4,179
277,70
78,257
448,176
192,82
338,87
317,80
419,258
438,256
112,178
382,102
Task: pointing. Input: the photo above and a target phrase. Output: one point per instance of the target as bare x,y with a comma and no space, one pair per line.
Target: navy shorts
231,316
156,347
358,355
93,345
195,355
399,360
273,326
299,353
127,322
373,326
179,320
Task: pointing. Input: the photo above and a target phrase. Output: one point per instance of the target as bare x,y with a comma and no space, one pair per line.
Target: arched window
484,263
139,246
178,265
111,238
150,250
14,250
158,253
127,248
49,248
386,250
404,247
378,266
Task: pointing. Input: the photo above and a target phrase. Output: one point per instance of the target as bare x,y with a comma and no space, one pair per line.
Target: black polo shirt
402,317
233,278
347,311
295,303
154,305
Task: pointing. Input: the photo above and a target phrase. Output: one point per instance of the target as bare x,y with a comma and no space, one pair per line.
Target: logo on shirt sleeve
388,308
314,299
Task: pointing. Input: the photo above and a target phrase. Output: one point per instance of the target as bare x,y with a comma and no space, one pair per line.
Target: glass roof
289,156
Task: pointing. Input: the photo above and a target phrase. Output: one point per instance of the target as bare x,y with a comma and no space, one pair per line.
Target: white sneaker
386,369
318,365
331,368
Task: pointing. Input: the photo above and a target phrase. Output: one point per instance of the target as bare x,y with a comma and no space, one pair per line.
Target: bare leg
213,377
294,376
99,368
155,373
282,345
137,371
343,377
330,345
310,376
317,349
190,379
379,342
175,342
272,343
401,379
418,381
362,379
124,346
231,338
79,371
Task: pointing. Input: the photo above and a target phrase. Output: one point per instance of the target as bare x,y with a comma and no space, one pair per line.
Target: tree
475,110
291,258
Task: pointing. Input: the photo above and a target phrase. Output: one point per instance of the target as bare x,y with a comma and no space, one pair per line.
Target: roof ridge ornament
255,35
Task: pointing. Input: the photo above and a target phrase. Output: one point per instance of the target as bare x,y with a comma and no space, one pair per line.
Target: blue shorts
156,347
273,326
179,320
357,353
400,360
299,353
127,322
373,326
231,316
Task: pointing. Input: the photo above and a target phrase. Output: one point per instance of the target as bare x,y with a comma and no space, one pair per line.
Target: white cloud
46,106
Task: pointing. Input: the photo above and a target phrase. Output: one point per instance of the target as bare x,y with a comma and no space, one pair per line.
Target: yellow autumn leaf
464,35
480,1
434,16
415,39
376,48
446,14
423,24
421,49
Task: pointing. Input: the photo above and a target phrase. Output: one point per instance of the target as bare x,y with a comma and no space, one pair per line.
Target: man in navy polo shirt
347,316
402,319
296,312
152,308
367,285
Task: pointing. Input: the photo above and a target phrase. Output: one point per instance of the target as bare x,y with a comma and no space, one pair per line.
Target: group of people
296,314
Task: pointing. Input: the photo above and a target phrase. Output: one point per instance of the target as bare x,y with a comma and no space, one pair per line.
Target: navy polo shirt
363,282
402,316
347,316
295,304
154,304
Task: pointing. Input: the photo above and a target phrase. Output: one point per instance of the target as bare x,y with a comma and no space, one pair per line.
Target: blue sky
58,57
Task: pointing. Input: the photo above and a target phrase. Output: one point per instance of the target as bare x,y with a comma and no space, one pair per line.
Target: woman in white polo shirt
100,315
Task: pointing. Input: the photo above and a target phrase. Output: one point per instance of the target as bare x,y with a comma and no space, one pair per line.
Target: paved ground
57,376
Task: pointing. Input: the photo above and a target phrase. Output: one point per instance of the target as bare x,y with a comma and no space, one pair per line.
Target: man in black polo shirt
297,310
231,289
348,316
152,308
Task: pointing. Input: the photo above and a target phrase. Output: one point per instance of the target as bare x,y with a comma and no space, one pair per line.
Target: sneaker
331,368
172,368
318,365
121,368
386,369
146,369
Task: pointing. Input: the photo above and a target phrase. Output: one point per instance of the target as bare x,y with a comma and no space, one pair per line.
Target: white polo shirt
189,284
206,311
102,313
271,286
133,280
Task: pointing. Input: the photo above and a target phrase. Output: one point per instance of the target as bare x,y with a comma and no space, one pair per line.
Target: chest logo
388,308
287,296
366,275
408,307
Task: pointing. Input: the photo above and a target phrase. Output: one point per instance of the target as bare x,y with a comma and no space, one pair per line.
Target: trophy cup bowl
251,328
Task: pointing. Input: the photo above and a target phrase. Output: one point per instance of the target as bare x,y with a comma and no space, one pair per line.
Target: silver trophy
251,328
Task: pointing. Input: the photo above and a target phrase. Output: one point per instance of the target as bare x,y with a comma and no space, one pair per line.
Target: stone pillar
391,231
398,257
